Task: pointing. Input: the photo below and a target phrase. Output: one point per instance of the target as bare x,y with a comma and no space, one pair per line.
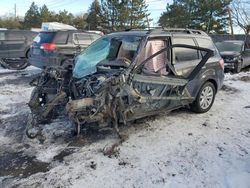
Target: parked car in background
236,56
15,48
125,76
58,48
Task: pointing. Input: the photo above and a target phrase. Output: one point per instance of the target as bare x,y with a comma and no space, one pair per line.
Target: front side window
158,64
105,48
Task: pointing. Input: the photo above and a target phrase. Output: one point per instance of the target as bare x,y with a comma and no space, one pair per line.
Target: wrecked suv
126,76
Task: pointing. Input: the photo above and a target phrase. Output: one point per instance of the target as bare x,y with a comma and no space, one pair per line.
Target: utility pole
15,10
148,22
230,22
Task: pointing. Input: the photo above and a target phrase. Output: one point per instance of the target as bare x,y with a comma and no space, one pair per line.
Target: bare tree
241,15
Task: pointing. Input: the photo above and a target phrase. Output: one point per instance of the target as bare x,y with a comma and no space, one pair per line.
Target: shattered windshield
229,46
106,48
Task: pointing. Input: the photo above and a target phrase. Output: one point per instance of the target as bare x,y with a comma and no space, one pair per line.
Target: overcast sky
156,7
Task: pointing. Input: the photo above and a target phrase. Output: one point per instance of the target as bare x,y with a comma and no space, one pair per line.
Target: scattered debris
93,165
245,78
112,150
229,89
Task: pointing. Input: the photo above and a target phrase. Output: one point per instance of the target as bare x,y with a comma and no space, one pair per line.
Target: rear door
16,44
3,45
153,82
185,59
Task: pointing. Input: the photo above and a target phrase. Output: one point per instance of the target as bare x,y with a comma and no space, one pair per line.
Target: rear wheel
204,99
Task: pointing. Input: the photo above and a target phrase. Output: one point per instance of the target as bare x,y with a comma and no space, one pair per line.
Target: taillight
222,63
48,46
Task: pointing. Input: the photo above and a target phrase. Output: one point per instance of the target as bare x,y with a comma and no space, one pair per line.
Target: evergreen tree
65,17
46,15
94,13
124,14
79,21
209,15
138,14
176,16
32,17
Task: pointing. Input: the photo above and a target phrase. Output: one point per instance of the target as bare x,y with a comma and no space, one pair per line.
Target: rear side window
15,36
185,54
81,38
205,43
44,37
61,38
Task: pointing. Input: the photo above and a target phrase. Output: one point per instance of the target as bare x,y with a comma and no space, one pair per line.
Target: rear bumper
43,62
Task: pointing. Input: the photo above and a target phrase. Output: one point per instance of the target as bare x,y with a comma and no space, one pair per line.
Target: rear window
44,37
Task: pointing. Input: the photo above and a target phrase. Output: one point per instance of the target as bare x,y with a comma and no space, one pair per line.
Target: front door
15,41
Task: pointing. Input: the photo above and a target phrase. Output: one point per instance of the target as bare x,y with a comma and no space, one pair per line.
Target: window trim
77,43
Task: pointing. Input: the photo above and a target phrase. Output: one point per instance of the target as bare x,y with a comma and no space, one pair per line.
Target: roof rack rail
177,30
185,30
143,28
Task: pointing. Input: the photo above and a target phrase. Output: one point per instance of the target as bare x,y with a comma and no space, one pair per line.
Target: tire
35,107
238,67
205,98
17,64
32,129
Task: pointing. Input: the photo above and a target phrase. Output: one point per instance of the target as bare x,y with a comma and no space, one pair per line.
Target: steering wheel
125,60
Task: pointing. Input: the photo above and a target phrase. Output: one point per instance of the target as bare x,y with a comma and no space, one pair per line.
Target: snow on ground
180,149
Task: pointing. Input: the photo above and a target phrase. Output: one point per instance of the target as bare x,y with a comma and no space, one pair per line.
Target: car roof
163,33
135,33
67,31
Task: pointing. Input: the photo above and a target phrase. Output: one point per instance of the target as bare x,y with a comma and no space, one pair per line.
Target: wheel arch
27,52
